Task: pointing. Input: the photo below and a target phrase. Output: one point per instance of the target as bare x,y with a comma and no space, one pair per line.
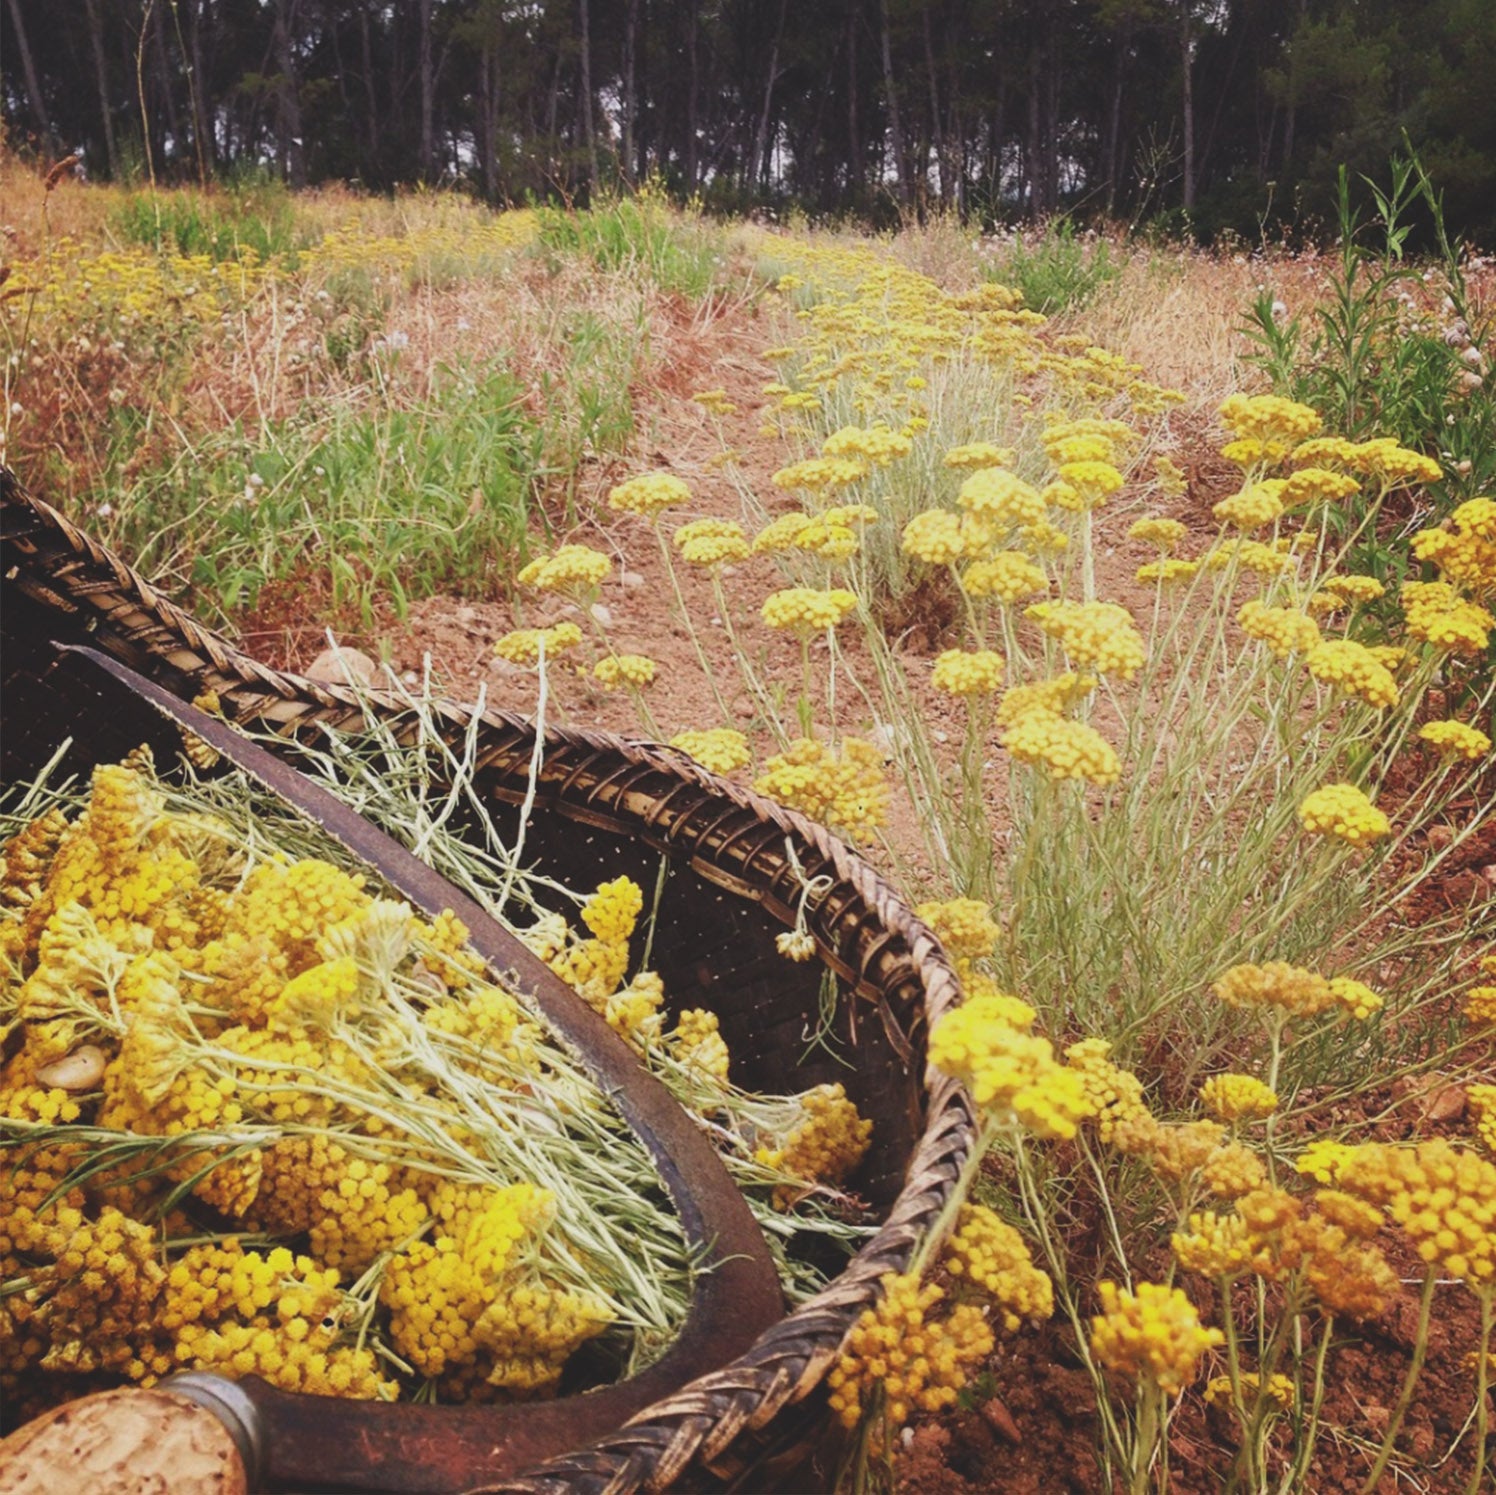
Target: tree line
1202,113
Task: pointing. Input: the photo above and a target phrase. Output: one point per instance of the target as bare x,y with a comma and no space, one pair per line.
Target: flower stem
1405,1397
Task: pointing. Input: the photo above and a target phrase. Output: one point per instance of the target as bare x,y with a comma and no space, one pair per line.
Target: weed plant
1059,269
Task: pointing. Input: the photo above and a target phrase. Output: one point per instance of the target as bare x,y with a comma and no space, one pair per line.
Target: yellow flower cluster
1465,554
987,1253
1285,630
1354,589
965,927
528,646
1008,575
1443,1197
1482,1101
648,494
1289,988
1166,534
1168,570
846,790
805,611
936,537
963,672
1269,419
1437,614
624,671
1317,485
1280,1390
1055,696
1343,811
1002,499
1085,484
721,749
878,445
1095,635
1381,458
1480,1004
920,1362
1011,1072
977,454
1065,749
572,569
1353,668
1233,1097
697,1041
1458,739
819,473
1253,507
1114,1096
711,542
1153,1335
828,1141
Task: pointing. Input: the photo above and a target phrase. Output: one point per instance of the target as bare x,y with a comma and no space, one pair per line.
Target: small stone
1000,1420
941,736
631,580
466,615
411,678
341,665
503,667
601,615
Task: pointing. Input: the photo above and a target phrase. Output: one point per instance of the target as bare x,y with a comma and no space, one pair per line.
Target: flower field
1147,646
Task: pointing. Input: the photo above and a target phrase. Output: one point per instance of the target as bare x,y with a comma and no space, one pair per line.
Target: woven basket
603,806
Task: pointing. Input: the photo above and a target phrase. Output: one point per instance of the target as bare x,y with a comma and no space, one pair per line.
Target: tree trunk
428,92
1033,164
854,134
630,99
288,103
35,99
693,95
757,161
371,98
197,81
588,138
895,128
1186,61
488,118
941,163
165,77
101,81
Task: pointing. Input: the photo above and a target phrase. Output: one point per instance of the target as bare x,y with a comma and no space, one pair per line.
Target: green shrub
675,252
1061,272
256,214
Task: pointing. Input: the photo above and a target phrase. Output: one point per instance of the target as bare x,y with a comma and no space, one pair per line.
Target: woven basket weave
603,806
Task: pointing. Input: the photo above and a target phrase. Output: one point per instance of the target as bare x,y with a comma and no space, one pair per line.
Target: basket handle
295,1441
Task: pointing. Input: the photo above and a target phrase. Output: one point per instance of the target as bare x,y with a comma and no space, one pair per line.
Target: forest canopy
1196,115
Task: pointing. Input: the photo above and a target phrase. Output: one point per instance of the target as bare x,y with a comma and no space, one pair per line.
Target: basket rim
58,561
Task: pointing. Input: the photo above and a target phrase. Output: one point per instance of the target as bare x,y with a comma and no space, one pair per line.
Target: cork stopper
126,1442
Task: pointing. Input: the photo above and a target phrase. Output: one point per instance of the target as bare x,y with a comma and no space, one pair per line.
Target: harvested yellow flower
1233,1097
963,672
828,1141
1343,811
620,671
1154,1334
846,790
649,494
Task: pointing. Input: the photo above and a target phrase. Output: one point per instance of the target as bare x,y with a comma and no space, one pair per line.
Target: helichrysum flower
1113,1094
979,454
620,671
1480,1005
846,790
1269,418
935,537
1443,1196
648,494
1354,589
1066,749
1166,534
804,610
721,749
780,533
1002,497
1054,696
817,473
1009,575
1253,507
1343,811
573,568
828,1140
1355,997
963,672
525,645
1248,555
1153,1334
1095,635
1092,483
1437,614
711,542
1456,739
1323,1160
1011,1073
1482,1100
1233,1097
1170,569
965,926
988,1254
1285,630
1280,1390
1276,984
1354,669
1317,484
1214,1245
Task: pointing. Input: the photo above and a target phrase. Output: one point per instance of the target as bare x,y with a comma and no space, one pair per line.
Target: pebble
601,615
341,665
1000,1420
631,580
